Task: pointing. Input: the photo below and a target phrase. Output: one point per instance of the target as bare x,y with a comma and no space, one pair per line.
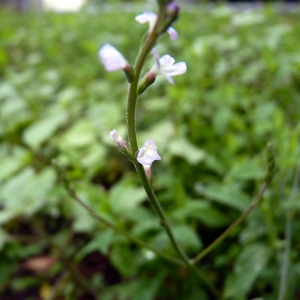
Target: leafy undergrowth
241,91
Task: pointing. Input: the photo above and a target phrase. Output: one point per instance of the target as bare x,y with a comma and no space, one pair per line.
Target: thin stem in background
74,196
218,240
71,192
287,244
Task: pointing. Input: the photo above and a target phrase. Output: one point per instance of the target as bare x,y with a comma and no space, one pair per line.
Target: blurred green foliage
241,91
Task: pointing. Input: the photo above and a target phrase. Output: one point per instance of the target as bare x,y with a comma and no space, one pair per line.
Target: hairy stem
131,126
133,144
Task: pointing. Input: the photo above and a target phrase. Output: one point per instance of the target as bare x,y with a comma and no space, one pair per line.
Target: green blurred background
241,91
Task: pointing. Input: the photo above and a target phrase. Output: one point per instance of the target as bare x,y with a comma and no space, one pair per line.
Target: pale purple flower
151,18
117,139
165,66
112,59
148,153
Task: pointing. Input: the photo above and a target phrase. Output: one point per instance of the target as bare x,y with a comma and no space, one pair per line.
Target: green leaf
26,193
104,117
146,287
249,264
80,134
124,259
101,242
227,195
12,161
42,130
221,119
246,170
82,220
199,210
183,148
162,131
184,235
124,197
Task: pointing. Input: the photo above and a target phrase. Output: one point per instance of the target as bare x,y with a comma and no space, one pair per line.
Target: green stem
73,195
218,240
132,137
133,144
125,233
132,94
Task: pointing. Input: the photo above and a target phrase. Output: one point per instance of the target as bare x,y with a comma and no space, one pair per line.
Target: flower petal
172,33
165,66
151,18
150,144
148,153
166,61
169,78
174,70
111,58
147,17
156,57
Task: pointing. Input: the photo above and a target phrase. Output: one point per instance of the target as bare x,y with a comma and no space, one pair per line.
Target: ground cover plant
240,92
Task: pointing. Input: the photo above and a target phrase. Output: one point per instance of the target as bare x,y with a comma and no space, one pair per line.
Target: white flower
148,153
165,66
112,59
151,19
117,139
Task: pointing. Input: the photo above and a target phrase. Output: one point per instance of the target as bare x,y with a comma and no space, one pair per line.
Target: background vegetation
241,91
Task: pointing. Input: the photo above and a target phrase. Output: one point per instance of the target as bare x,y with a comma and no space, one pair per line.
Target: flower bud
129,73
173,11
113,60
148,79
171,15
117,139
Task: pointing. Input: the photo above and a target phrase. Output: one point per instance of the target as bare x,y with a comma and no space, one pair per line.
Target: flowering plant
144,156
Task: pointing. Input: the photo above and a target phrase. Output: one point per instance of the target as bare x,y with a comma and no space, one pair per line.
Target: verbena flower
148,153
117,139
165,66
151,19
112,59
